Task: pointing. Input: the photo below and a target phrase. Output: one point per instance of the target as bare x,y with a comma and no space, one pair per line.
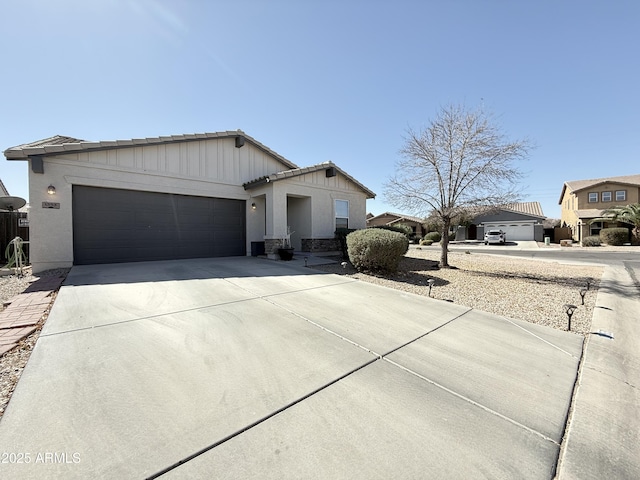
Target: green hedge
399,227
376,249
593,241
435,237
614,236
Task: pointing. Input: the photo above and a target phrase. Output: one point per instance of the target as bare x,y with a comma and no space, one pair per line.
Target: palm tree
629,214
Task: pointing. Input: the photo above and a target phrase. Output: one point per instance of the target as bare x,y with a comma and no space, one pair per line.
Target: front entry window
595,228
342,214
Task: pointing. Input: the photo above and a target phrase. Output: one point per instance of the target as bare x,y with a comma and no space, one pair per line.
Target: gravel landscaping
530,290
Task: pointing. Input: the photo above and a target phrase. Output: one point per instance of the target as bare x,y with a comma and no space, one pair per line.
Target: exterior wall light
253,206
51,190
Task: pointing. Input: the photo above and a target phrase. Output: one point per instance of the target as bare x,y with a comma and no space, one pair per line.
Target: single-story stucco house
180,196
390,219
520,221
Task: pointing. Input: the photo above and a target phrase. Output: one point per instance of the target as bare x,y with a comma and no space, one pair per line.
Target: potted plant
286,251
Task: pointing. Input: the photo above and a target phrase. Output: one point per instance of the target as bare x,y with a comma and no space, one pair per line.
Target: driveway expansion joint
473,402
259,421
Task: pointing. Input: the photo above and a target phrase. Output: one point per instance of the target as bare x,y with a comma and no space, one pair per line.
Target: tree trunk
444,242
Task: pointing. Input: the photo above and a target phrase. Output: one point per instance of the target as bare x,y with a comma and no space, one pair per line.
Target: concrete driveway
250,368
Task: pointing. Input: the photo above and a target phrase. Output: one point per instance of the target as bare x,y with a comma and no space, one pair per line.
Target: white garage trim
514,231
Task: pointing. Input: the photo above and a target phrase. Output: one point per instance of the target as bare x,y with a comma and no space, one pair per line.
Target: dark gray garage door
111,226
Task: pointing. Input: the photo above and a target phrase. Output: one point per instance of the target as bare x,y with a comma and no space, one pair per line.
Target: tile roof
577,185
61,144
529,208
589,213
295,172
3,190
400,217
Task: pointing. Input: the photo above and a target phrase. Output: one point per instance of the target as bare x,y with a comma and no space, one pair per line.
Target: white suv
495,236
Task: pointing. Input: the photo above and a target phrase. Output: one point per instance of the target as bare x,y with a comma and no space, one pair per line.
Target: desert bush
376,249
435,237
593,241
426,242
614,236
398,227
341,236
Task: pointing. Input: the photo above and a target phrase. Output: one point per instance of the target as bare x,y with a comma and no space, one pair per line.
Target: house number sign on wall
50,205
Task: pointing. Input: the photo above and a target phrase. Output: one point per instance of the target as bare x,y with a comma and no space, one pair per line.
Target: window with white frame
342,214
593,197
606,196
621,195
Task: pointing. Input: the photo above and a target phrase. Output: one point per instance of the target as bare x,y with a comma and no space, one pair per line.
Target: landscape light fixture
589,283
431,281
583,292
306,259
344,265
569,309
51,190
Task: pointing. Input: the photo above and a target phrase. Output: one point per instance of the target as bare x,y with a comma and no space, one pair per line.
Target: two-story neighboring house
584,200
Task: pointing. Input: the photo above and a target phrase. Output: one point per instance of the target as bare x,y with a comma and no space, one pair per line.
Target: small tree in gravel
460,160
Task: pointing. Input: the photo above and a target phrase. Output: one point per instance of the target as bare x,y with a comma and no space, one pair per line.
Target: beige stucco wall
211,168
580,201
567,211
306,203
583,195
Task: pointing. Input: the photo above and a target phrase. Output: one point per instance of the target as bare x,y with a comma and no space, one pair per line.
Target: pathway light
431,281
583,292
569,309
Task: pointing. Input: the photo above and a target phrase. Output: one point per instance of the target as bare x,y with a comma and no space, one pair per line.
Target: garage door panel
111,225
513,231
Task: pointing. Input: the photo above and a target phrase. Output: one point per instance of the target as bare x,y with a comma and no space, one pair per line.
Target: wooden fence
9,229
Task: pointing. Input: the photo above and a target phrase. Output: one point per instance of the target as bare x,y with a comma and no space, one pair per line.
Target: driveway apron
251,368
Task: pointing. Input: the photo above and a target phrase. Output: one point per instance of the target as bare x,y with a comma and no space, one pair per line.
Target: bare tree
460,160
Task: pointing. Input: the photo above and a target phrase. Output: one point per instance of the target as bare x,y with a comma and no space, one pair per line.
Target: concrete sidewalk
603,438
243,367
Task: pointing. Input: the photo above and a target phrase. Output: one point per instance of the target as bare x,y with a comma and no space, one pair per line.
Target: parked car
495,236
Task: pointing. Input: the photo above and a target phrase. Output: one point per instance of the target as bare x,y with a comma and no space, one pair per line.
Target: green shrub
376,249
398,227
341,236
614,236
426,242
435,237
593,241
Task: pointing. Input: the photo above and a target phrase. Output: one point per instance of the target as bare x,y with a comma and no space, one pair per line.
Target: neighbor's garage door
514,231
111,226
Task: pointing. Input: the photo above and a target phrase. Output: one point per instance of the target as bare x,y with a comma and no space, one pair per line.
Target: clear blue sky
338,80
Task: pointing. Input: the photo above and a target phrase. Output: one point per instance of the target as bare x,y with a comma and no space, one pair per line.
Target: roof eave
18,153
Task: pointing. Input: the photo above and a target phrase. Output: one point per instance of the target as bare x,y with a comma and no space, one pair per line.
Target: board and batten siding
206,168
217,160
320,179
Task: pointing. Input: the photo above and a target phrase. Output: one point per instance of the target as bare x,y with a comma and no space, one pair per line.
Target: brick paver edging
25,310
